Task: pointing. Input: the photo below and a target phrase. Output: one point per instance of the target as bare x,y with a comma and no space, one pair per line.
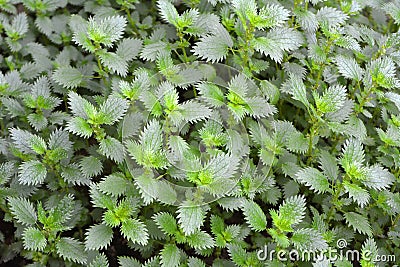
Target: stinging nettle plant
199,132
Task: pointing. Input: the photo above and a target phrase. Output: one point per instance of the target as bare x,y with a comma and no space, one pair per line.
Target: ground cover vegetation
199,132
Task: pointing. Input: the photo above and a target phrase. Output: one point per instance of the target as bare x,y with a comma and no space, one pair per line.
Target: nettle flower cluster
198,132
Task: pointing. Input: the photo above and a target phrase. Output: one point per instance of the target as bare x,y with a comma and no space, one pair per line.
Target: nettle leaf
270,16
100,261
72,250
215,46
166,222
291,212
114,62
114,184
328,164
331,17
200,240
313,178
135,231
237,254
378,178
254,215
129,48
352,156
32,172
393,9
90,166
80,127
277,41
168,11
307,19
358,222
113,109
358,194
80,107
308,239
34,239
193,111
195,262
106,31
170,256
349,68
125,261
23,210
99,236
68,77
190,217
112,149
297,89
27,142
331,100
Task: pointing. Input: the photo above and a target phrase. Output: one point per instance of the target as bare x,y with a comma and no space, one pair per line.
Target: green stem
182,46
364,100
335,199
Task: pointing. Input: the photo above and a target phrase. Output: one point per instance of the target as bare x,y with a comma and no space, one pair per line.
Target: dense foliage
199,132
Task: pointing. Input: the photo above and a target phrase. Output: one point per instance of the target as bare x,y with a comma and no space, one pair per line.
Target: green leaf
331,17
32,172
19,25
200,240
307,239
328,165
166,222
106,31
314,179
68,77
80,127
393,9
353,158
37,121
168,11
194,111
34,239
71,249
114,184
237,254
99,236
277,41
358,222
135,231
358,194
23,210
254,215
297,89
195,262
331,100
125,261
170,256
114,62
113,109
27,142
80,107
349,68
129,48
100,261
190,217
90,166
112,149
215,46
212,93
270,16
378,178
370,250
